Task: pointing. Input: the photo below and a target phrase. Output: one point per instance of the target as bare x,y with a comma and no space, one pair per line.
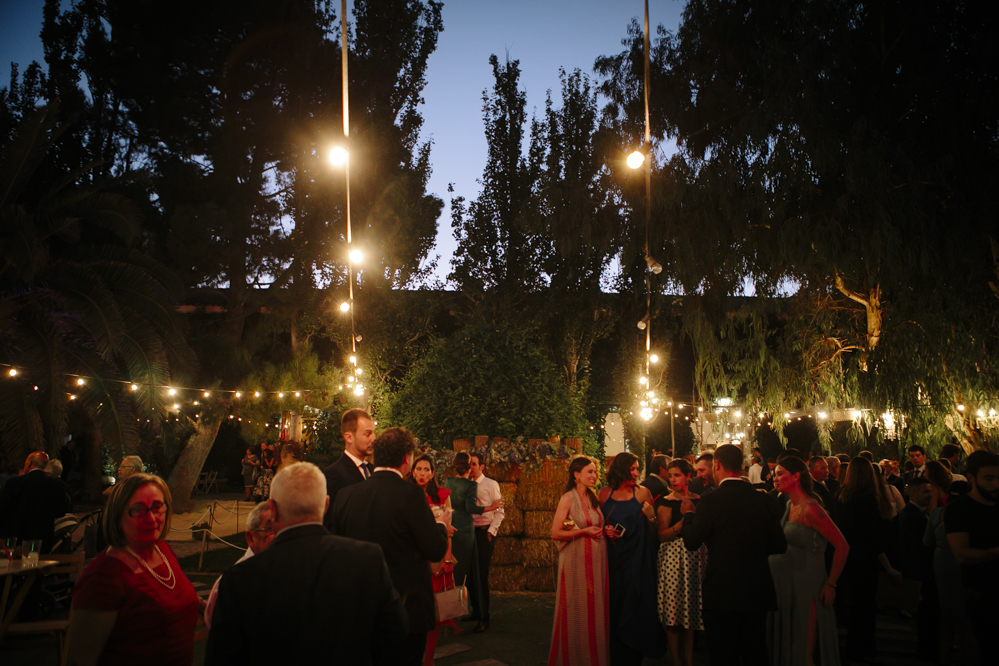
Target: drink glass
7,552
29,552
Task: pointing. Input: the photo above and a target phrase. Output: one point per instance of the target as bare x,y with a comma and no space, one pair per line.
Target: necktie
366,469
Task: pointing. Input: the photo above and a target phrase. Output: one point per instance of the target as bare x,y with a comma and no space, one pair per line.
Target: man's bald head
35,460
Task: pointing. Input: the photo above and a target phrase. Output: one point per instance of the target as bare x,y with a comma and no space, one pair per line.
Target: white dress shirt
488,492
756,473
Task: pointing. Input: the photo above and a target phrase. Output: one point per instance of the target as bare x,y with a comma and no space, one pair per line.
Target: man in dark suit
392,512
358,432
741,528
832,478
310,597
818,468
31,503
655,481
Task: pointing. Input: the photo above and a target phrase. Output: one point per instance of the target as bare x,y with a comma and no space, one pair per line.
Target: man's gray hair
299,492
256,517
54,469
833,460
135,462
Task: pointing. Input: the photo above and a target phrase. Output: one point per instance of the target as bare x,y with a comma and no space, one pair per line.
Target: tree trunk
192,458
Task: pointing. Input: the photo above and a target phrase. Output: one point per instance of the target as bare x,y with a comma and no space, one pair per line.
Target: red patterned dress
581,630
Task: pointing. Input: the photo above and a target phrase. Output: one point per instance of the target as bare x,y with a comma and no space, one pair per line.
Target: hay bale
503,472
506,579
509,493
513,523
538,524
541,579
554,473
535,496
538,552
506,550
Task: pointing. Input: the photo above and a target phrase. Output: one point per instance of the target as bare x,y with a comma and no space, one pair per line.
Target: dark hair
978,460
729,457
462,463
432,490
795,465
620,469
392,446
478,456
815,460
771,459
916,447
950,450
681,465
794,452
938,475
348,422
658,463
291,447
918,481
705,456
843,457
866,455
578,464
945,463
861,481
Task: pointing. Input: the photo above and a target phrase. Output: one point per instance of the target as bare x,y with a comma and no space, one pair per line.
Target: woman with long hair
629,524
862,511
940,480
439,499
580,631
681,571
805,619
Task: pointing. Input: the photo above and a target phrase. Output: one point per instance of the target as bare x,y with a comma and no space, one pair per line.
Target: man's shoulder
338,465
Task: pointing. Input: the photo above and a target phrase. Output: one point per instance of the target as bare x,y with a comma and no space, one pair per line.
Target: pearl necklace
169,581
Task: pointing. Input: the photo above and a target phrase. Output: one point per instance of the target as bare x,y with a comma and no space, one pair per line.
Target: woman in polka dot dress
681,571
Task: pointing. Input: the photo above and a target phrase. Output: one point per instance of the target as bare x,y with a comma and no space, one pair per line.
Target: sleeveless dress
632,573
681,573
580,630
799,574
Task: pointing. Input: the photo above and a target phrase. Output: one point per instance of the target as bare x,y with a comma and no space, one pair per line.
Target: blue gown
635,631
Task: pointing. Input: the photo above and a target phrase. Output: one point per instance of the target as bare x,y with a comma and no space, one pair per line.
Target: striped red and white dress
581,630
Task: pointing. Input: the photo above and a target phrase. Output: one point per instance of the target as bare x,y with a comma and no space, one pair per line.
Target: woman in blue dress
805,619
630,526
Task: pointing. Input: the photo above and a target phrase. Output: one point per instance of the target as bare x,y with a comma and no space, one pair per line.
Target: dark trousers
737,639
484,548
862,588
411,650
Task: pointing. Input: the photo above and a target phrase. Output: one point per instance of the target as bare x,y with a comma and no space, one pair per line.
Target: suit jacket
828,501
741,528
394,513
656,486
697,487
310,598
832,485
30,505
339,475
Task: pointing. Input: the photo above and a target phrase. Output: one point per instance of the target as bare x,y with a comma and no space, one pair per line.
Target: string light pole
341,156
639,157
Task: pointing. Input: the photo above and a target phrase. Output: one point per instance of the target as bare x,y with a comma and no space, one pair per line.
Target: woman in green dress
463,494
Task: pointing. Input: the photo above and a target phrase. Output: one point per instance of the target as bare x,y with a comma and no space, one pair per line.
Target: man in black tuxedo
31,503
310,597
358,432
741,528
704,482
832,476
392,512
655,481
818,468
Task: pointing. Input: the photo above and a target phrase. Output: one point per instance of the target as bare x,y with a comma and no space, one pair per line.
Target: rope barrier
196,522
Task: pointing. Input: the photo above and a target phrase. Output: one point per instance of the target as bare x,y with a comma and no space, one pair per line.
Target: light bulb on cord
345,306
339,156
356,256
12,372
636,159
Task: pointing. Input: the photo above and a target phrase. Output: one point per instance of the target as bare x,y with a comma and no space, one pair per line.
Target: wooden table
18,568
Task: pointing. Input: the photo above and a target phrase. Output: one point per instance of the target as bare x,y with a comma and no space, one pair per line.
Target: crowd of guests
773,562
777,560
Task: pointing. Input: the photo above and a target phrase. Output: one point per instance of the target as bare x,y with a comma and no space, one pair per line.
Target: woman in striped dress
580,634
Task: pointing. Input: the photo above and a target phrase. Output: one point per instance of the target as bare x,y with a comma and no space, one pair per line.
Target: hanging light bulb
654,358
339,156
643,380
345,306
80,382
238,394
135,387
356,256
12,372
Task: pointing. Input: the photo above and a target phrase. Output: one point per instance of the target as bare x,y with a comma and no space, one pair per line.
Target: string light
345,306
12,372
172,392
239,394
80,382
135,387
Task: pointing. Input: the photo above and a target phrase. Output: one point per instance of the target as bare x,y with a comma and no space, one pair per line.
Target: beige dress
580,632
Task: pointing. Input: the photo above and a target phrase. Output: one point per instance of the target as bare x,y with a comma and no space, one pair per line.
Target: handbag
451,603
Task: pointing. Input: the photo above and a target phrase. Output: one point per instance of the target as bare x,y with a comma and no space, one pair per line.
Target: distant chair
71,565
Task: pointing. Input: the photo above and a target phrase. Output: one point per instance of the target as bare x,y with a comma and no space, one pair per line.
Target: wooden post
204,534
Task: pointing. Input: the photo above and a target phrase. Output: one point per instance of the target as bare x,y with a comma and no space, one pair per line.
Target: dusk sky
542,34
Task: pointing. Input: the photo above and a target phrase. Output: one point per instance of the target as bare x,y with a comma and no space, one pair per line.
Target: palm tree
84,314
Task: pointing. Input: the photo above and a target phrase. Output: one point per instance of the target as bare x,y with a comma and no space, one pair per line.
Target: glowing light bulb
176,406
636,159
172,392
280,395
80,382
339,156
135,387
256,394
297,394
654,358
238,394
823,415
960,408
72,397
356,256
345,306
353,360
738,415
358,371
643,380
12,372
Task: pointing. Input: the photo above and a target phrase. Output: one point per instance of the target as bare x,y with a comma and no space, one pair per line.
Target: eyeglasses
141,510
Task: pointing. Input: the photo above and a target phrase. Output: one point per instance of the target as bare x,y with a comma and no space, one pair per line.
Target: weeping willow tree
838,159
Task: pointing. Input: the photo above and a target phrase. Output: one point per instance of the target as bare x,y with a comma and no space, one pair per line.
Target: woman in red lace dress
133,604
439,500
